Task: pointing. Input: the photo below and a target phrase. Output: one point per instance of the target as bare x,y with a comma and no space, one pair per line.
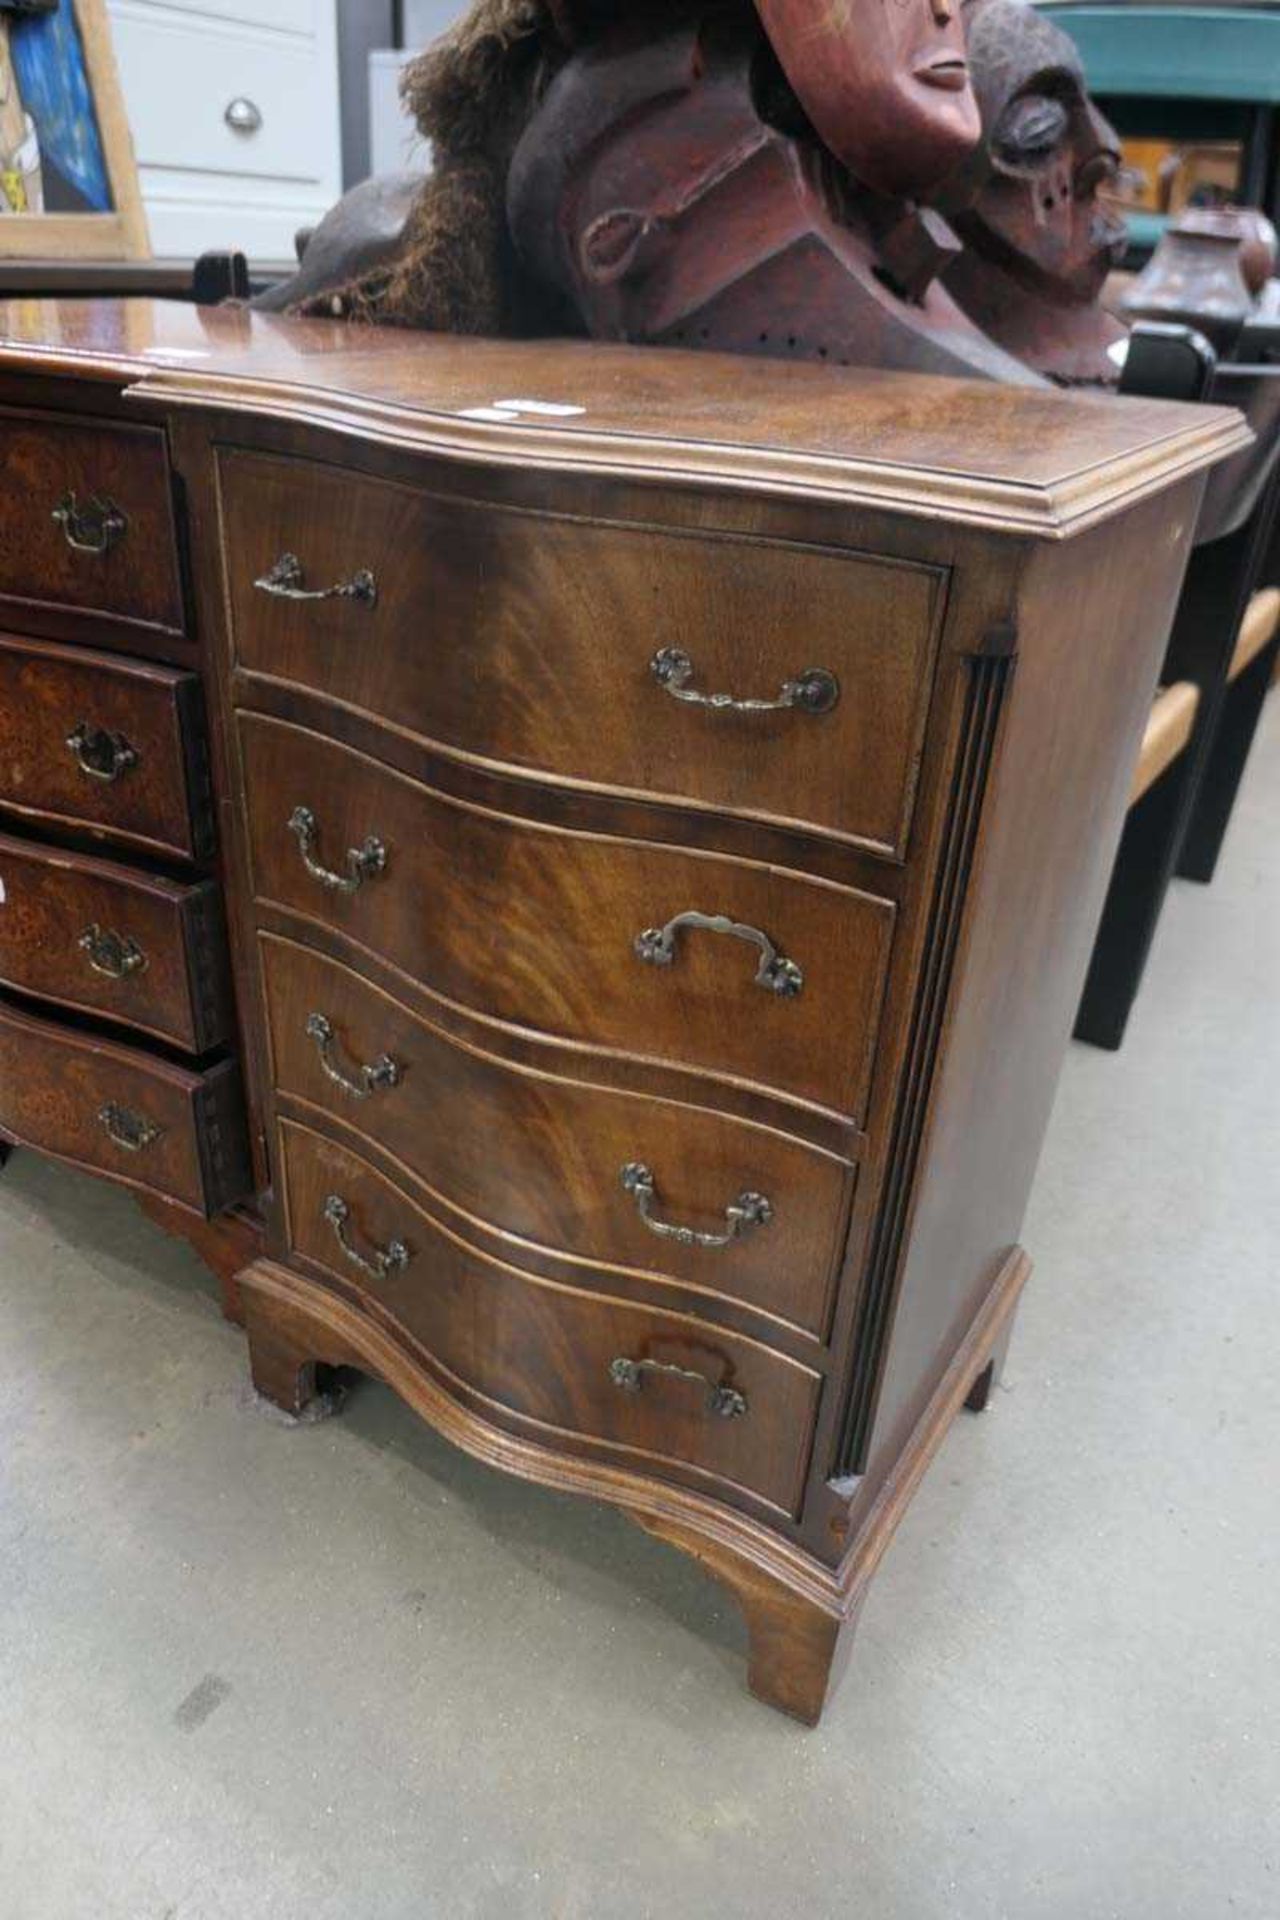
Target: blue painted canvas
48,59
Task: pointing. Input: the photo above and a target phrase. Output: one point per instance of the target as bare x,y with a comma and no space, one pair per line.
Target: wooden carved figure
1030,205
710,187
884,82
703,172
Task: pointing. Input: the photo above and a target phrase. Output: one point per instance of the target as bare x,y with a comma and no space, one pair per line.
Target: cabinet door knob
816,690
101,755
723,1401
747,1211
363,863
392,1258
363,1081
93,527
243,115
112,954
657,947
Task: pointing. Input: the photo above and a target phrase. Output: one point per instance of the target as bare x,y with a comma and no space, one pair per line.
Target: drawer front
107,939
112,746
549,1352
544,1159
286,16
539,927
534,642
261,107
90,519
122,1113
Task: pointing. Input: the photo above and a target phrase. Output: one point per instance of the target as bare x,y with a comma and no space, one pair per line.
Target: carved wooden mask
885,83
1048,154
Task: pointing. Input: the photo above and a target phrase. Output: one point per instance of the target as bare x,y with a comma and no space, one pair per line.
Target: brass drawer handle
657,947
749,1210
393,1258
284,581
725,1402
112,954
93,528
363,863
101,755
365,1081
131,1132
816,690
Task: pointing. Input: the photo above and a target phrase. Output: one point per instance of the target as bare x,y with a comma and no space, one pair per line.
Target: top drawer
88,520
584,652
265,104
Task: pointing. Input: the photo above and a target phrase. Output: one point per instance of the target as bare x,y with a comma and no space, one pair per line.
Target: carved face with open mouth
884,82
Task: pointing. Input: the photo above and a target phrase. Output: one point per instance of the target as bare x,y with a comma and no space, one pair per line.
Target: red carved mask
885,83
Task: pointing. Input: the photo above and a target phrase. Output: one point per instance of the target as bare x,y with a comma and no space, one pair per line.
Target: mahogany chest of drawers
116,1019
666,813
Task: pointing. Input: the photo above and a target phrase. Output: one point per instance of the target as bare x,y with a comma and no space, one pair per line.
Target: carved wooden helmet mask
885,83
1048,153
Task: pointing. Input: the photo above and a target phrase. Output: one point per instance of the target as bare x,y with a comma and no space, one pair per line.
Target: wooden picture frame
60,96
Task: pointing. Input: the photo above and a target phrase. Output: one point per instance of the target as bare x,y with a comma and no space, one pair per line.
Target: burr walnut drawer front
111,746
662,1389
124,1113
712,964
747,677
89,521
111,940
720,1206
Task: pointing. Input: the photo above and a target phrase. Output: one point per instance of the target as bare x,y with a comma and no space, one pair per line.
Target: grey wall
362,25
424,19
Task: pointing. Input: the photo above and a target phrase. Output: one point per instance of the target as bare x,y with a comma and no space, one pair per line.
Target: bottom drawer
663,1388
122,1113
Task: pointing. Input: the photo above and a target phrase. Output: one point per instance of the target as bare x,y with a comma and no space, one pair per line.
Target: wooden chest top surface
1030,461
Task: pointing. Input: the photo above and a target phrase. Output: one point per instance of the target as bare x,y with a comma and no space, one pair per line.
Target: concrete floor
251,1669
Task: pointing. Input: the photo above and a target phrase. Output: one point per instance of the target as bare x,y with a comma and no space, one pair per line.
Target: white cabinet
234,111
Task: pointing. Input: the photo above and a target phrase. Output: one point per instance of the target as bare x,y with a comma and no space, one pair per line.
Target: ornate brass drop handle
393,1258
101,755
657,947
725,1402
112,954
816,690
93,528
363,862
365,1081
131,1132
747,1211
283,581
